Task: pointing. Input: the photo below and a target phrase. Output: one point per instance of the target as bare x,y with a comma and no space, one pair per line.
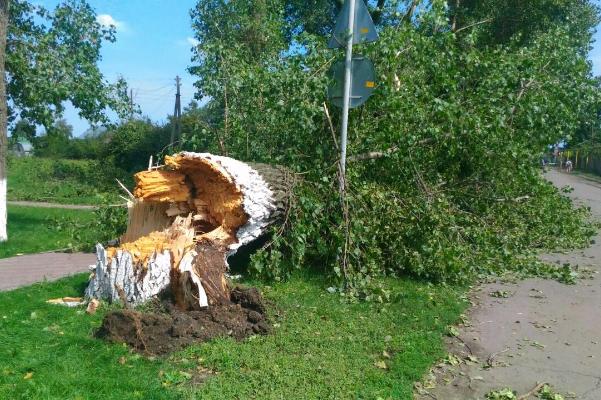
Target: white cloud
192,42
187,42
107,20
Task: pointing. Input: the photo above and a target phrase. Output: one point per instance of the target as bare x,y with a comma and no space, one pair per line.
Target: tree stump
185,220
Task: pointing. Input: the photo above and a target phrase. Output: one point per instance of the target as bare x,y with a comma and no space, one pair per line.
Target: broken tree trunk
185,220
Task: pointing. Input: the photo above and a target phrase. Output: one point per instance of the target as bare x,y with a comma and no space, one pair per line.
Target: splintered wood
176,238
161,186
185,220
217,196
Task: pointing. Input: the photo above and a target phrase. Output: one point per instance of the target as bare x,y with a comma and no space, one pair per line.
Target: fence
582,160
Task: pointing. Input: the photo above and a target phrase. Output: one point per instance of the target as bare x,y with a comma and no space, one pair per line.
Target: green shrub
107,225
132,143
62,181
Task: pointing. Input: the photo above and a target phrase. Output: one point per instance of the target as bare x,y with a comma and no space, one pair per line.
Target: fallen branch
472,25
515,200
325,109
534,391
374,155
124,188
524,88
490,360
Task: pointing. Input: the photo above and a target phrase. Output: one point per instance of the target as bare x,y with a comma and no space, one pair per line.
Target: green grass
321,348
587,175
59,181
33,230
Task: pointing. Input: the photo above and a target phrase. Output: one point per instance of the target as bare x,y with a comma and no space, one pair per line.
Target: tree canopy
52,57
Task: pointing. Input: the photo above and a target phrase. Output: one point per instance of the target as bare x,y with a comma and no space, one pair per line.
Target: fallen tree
185,219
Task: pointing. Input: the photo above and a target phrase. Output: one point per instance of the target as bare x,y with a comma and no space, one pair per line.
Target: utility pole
131,104
176,127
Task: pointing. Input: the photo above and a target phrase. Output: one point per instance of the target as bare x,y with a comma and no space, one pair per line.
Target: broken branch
374,155
325,109
535,390
472,25
124,188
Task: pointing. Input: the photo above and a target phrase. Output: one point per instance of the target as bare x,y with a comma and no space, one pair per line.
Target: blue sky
154,41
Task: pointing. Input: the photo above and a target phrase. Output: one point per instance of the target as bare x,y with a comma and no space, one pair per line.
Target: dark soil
165,332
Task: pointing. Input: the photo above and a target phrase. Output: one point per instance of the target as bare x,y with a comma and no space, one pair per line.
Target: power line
154,90
156,97
161,106
131,104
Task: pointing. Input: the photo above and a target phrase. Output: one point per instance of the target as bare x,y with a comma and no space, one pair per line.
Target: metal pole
179,109
347,95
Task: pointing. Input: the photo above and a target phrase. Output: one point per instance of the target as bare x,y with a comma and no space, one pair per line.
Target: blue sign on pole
354,79
364,30
362,82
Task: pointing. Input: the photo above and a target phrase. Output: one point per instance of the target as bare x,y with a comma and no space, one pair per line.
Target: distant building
22,148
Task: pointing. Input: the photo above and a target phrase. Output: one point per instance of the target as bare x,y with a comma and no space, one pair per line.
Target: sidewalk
27,270
538,331
38,204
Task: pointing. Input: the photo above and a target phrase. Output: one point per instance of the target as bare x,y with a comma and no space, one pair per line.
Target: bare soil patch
170,329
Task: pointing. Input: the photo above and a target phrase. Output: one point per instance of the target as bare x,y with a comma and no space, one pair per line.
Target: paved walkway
50,205
26,270
543,332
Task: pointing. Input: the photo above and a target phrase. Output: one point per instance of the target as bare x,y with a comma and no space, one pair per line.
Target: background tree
56,142
522,21
133,142
23,129
51,57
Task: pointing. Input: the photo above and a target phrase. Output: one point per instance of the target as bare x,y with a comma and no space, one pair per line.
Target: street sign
363,82
363,31
354,79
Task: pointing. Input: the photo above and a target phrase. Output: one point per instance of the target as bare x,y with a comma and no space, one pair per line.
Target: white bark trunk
119,277
3,211
3,118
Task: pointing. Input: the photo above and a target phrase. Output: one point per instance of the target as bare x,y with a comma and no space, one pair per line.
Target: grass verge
32,230
321,348
587,175
60,181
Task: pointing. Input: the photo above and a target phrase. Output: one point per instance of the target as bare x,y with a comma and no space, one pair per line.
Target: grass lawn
32,230
321,348
58,181
587,175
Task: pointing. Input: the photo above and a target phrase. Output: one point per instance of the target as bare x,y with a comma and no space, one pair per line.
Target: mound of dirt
163,333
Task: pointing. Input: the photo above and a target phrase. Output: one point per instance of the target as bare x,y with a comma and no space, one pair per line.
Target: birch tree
3,122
